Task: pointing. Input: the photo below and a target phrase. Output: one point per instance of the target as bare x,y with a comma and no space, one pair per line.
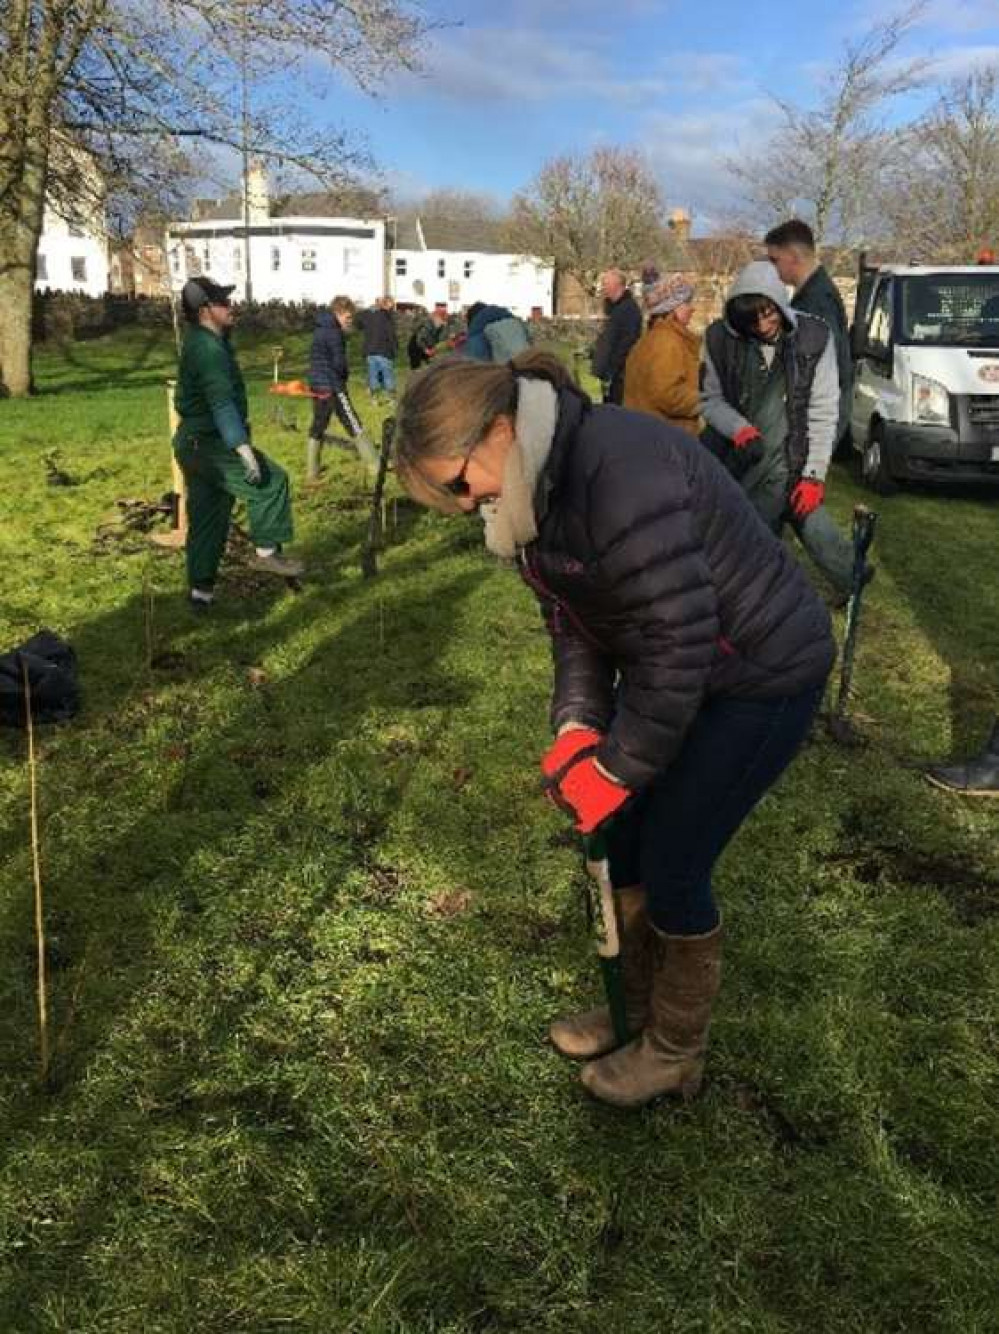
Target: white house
72,254
437,262
299,249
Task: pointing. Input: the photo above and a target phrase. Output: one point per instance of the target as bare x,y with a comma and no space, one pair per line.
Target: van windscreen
951,309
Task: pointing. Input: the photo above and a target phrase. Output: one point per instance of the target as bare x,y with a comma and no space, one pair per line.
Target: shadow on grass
948,580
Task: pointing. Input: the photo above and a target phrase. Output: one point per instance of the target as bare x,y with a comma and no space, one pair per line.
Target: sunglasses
458,485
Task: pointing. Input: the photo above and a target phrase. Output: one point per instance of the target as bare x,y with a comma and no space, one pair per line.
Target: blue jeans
381,375
669,838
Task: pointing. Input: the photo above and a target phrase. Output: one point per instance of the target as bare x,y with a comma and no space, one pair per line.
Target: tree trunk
16,288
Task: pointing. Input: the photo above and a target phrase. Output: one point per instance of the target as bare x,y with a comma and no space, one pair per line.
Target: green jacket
820,296
211,396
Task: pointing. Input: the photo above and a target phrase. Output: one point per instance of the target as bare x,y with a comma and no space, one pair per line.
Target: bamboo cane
36,860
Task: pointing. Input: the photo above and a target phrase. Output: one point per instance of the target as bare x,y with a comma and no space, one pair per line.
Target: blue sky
513,84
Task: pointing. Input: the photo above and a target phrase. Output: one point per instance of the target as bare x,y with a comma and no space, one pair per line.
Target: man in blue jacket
494,333
328,374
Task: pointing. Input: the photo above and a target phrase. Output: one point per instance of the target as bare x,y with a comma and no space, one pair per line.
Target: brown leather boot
583,1036
669,1056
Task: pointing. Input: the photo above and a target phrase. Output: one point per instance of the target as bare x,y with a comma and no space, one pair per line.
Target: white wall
334,264
58,249
502,280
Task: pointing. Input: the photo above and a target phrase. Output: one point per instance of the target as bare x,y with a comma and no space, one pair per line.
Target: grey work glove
251,464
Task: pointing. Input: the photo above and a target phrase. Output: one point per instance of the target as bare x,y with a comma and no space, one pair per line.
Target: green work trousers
766,486
215,481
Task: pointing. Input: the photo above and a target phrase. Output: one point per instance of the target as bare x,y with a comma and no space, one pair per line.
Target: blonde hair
451,405
342,305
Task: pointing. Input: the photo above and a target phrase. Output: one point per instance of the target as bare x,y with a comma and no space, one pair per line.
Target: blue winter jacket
328,367
494,334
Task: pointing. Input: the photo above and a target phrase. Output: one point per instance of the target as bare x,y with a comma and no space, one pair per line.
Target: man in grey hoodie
770,398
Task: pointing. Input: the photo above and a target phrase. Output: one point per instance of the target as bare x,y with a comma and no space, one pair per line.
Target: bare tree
823,160
107,90
941,190
588,213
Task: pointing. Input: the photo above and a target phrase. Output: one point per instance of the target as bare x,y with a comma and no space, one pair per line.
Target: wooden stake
147,616
36,860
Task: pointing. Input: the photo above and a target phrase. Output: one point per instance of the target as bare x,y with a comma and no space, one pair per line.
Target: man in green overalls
213,448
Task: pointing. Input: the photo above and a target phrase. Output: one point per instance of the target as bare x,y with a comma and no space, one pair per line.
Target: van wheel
874,465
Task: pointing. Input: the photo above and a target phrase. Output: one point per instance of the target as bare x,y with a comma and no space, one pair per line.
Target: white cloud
525,65
958,61
692,152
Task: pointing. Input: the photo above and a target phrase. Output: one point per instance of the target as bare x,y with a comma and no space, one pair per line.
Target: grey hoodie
761,279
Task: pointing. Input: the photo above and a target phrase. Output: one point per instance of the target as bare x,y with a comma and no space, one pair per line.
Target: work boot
669,1056
275,562
977,777
581,1037
313,459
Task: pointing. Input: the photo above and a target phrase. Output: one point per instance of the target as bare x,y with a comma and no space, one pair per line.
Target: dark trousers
339,402
669,838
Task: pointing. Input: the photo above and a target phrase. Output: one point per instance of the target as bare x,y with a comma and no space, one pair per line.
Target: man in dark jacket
791,249
328,374
213,448
621,330
381,343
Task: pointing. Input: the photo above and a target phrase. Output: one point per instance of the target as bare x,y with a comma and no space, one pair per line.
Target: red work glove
745,437
806,497
576,785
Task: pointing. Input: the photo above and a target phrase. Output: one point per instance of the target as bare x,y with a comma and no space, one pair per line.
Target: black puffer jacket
658,578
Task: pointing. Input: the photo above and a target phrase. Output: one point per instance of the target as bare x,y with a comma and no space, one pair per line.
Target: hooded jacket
328,368
808,353
495,334
660,586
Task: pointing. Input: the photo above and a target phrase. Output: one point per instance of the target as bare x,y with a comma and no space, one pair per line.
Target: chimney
256,193
679,224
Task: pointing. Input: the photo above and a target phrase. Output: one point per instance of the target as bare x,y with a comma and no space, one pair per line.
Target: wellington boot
977,777
669,1056
583,1036
313,459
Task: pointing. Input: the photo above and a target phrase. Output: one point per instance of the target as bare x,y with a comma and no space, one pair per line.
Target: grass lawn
309,918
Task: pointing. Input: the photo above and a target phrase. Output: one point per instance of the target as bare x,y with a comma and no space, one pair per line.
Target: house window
308,261
79,269
175,261
512,269
206,255
441,268
237,260
400,268
275,258
469,267
351,261
42,269
75,227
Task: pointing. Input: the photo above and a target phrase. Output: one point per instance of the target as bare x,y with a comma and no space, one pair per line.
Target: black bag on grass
55,692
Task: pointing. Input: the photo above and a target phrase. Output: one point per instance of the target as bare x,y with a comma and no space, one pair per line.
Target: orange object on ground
294,389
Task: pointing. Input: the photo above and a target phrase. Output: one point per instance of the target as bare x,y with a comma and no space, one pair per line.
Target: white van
926,374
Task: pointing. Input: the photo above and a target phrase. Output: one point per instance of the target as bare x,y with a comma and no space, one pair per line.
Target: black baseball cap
199,292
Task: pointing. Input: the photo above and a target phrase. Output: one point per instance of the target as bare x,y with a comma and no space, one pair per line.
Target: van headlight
930,401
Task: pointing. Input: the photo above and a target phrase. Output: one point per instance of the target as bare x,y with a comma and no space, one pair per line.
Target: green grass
306,933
